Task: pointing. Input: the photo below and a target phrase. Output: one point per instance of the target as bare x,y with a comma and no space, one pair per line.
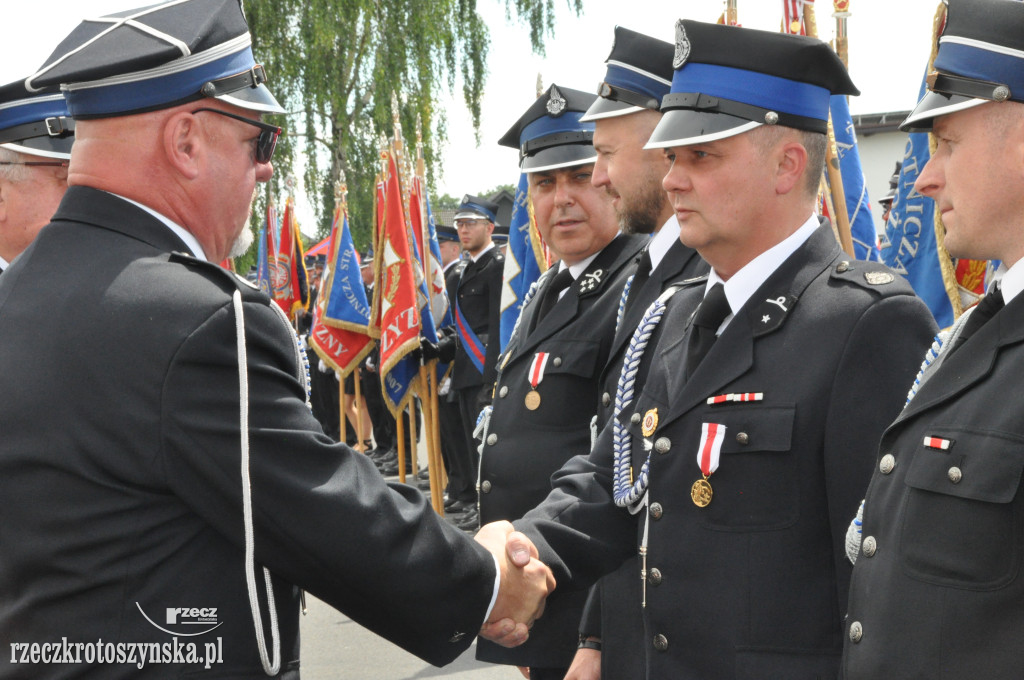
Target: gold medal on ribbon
701,492
532,400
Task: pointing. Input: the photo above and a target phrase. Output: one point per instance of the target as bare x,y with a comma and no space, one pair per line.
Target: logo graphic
192,621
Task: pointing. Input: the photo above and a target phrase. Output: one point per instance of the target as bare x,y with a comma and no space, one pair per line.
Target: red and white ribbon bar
741,396
536,374
938,443
711,437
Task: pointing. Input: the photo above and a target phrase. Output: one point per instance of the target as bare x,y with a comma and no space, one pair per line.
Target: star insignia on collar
766,318
591,281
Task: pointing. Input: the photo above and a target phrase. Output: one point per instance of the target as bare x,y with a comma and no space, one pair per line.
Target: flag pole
731,13
840,215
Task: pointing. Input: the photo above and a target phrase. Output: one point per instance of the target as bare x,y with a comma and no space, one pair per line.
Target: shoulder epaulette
872,276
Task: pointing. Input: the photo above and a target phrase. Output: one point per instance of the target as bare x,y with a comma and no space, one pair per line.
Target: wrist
590,642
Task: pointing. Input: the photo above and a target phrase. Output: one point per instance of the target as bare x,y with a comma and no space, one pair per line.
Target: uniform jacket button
887,463
869,546
856,631
955,475
636,418
606,399
662,445
654,577
556,362
742,438
657,511
485,486
492,439
660,642
503,392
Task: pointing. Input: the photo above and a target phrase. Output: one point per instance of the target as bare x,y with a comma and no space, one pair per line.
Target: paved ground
335,648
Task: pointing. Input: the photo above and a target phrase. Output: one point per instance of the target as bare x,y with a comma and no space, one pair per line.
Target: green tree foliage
333,64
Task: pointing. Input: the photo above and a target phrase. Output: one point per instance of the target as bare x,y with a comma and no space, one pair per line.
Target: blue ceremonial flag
347,304
524,260
910,245
858,205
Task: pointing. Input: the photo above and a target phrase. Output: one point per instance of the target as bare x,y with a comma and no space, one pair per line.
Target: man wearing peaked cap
728,468
625,113
548,378
189,473
36,134
937,590
474,289
894,183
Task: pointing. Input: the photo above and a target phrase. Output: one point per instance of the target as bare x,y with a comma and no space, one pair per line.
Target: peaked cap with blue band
729,80
474,208
980,59
639,74
35,124
158,57
551,134
446,233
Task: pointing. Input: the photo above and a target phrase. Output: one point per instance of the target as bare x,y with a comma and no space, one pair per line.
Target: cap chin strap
250,544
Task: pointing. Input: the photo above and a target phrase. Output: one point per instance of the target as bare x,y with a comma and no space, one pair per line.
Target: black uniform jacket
525,447
478,292
753,585
123,488
938,591
613,610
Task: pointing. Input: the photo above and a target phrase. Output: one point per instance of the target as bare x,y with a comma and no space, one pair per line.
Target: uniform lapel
766,312
969,365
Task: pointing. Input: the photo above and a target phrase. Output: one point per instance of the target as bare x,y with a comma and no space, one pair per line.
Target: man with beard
547,385
626,112
177,483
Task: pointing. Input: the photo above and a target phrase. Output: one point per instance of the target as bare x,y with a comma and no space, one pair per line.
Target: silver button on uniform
606,399
636,418
742,438
660,642
503,392
557,361
856,631
656,511
955,475
662,445
887,463
492,439
869,546
654,577
485,486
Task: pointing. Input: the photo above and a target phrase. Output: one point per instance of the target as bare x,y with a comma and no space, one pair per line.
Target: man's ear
792,162
183,143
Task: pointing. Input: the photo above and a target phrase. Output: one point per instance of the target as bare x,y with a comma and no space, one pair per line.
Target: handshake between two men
525,584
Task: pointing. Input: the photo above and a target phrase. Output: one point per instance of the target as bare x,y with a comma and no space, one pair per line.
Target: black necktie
562,280
710,315
643,272
986,309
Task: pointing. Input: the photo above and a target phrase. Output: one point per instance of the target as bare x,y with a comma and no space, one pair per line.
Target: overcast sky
889,45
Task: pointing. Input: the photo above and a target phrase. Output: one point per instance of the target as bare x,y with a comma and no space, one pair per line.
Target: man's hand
586,665
525,583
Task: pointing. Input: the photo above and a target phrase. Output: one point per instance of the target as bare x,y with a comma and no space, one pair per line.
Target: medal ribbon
536,374
712,435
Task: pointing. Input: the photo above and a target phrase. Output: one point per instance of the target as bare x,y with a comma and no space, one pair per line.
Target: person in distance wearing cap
177,489
937,590
768,388
886,201
639,74
547,385
36,134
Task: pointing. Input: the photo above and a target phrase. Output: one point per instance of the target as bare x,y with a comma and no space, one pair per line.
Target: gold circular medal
532,400
700,492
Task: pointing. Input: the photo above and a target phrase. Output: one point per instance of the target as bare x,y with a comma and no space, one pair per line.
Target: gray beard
242,243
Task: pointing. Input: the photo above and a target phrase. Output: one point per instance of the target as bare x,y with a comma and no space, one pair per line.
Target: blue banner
909,245
263,252
347,305
522,266
858,205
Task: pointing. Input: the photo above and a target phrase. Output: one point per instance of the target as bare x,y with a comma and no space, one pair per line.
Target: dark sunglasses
54,164
267,140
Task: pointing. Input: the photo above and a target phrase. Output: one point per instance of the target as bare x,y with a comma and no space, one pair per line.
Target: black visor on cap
683,127
562,156
933,105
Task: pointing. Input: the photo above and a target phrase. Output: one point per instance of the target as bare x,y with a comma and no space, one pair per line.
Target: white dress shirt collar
481,253
747,280
663,240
